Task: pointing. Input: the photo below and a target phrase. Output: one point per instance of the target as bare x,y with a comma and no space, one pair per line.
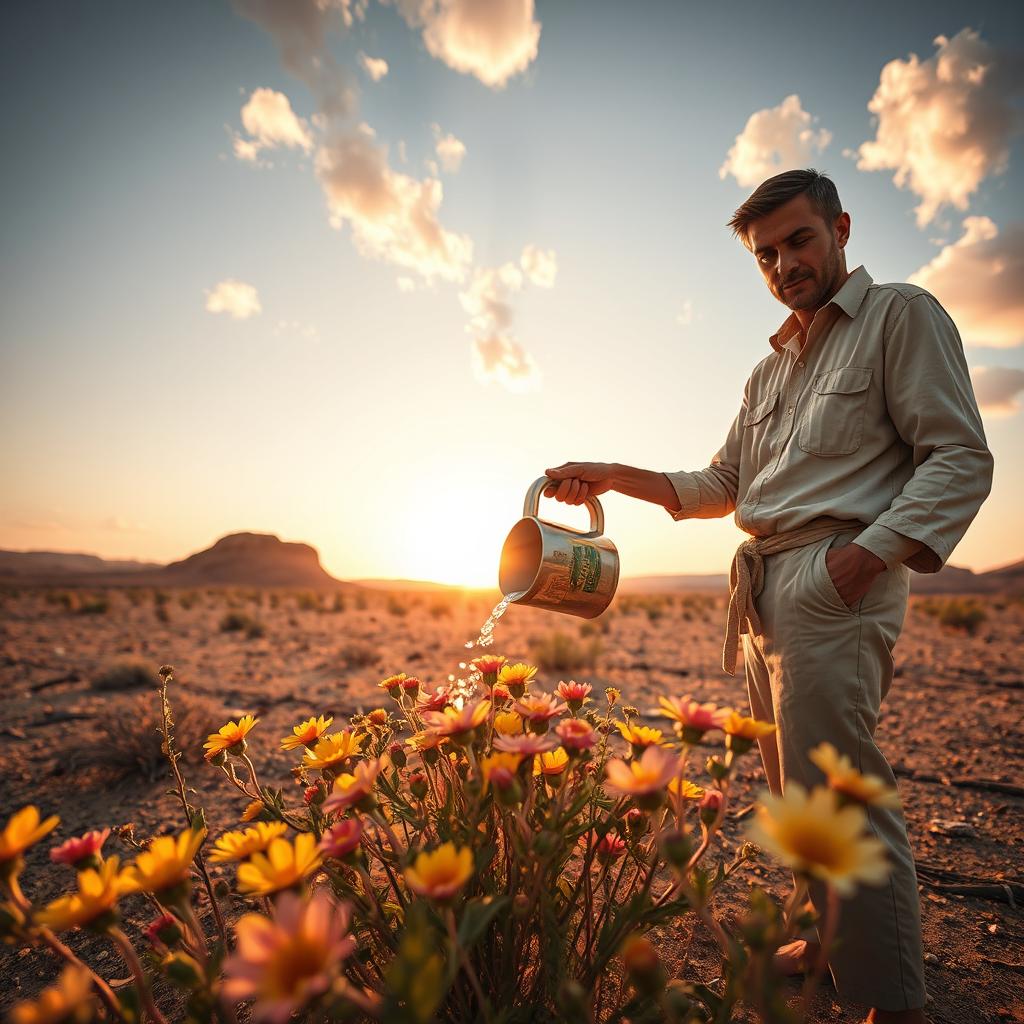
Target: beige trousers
820,671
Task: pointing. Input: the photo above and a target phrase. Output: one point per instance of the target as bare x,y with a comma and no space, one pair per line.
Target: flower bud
182,970
315,794
546,842
218,758
738,744
430,756
418,785
642,964
517,689
520,905
397,754
716,769
636,822
165,929
507,786
676,847
711,804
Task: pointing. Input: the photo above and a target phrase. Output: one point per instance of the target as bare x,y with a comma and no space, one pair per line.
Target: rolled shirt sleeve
931,403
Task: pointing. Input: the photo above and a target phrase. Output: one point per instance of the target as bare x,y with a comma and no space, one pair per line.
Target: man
858,452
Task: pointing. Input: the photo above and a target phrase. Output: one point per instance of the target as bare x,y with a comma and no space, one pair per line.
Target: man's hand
853,569
579,481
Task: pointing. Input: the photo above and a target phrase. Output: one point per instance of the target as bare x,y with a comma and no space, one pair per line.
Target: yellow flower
551,763
333,751
22,830
98,893
686,789
499,759
252,811
508,723
849,783
746,728
166,862
306,734
457,722
815,836
287,962
641,735
239,845
426,741
393,683
281,866
441,873
516,675
70,1001
229,738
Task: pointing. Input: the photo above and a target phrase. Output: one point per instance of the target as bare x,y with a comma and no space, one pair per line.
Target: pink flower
608,847
642,776
410,684
434,700
74,851
163,930
538,707
576,734
575,694
456,722
343,838
693,718
287,962
352,789
528,744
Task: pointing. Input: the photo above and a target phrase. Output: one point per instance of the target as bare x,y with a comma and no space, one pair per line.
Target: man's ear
842,229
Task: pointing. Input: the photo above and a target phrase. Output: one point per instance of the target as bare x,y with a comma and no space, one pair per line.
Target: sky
356,272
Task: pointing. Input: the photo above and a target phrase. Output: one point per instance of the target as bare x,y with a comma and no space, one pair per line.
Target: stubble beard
825,286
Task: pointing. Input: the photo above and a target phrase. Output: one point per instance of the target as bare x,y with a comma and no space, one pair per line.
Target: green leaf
417,980
477,916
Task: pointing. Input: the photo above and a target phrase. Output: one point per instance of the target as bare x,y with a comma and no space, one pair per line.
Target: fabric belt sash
746,576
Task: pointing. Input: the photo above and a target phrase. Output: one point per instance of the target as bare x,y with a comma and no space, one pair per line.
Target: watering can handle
532,504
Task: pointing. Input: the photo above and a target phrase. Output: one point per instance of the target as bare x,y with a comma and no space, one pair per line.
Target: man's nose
787,266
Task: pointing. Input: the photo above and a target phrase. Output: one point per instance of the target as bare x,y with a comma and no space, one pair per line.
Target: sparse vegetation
439,608
395,606
237,622
96,605
962,613
358,654
124,675
560,652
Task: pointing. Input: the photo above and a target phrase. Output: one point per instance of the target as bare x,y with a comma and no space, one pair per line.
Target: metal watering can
556,567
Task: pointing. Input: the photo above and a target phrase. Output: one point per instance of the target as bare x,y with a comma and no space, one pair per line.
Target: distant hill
429,585
239,559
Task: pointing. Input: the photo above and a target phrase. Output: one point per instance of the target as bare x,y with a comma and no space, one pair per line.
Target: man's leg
829,670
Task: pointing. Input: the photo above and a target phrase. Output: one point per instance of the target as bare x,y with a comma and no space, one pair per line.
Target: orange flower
644,778
640,736
333,751
230,738
849,783
552,763
23,830
307,734
393,684
488,663
457,723
742,732
355,788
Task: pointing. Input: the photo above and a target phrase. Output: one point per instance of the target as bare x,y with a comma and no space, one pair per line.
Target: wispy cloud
450,150
236,298
270,122
490,39
980,280
539,265
774,139
998,389
375,67
945,123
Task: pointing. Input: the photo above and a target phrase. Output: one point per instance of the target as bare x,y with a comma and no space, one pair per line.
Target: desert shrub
96,605
358,654
338,605
238,622
124,675
361,603
129,745
962,614
395,606
560,652
188,600
161,613
160,597
308,601
439,608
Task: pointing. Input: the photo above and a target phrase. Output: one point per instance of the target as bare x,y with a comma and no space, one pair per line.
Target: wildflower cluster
498,855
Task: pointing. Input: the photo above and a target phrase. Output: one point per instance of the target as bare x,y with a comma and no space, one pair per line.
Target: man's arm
932,405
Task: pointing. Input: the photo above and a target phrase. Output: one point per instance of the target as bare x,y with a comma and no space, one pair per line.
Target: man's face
799,254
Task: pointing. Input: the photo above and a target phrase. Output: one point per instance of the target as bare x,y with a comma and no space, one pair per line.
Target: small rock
930,958
953,829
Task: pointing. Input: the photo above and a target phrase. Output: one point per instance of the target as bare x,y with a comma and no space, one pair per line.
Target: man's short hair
773,193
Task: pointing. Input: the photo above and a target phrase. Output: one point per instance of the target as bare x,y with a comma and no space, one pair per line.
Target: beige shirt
873,419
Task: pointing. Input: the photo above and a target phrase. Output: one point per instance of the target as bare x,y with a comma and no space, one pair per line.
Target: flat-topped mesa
251,559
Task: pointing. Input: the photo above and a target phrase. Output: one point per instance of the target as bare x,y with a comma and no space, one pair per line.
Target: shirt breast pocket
833,420
760,412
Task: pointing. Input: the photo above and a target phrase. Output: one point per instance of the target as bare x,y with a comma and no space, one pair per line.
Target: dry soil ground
951,727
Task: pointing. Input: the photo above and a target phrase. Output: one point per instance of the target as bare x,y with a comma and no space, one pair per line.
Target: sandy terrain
952,726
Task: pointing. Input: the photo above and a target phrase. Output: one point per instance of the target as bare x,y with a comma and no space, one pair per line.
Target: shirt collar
848,299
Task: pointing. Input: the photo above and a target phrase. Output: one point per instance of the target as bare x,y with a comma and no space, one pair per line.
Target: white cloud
979,279
450,150
497,355
998,389
944,124
236,298
540,265
392,215
491,39
774,140
269,120
375,67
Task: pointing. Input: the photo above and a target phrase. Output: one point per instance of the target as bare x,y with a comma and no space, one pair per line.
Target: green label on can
585,571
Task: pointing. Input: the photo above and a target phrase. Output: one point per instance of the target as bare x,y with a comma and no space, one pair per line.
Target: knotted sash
746,576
